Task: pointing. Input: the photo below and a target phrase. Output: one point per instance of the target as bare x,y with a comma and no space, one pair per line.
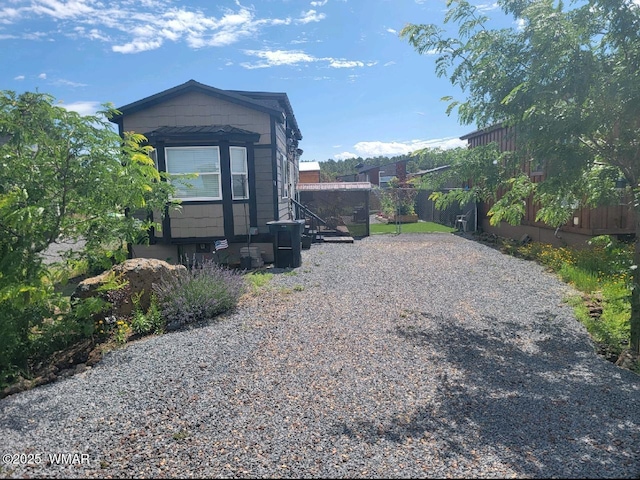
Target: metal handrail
306,210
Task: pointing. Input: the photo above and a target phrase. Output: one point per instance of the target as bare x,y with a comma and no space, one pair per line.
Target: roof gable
193,86
274,100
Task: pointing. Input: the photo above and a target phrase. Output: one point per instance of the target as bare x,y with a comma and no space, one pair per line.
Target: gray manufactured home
244,148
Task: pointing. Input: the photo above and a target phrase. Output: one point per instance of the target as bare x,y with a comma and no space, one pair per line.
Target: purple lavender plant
207,290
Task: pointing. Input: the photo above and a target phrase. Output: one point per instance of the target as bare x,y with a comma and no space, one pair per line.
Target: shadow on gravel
548,409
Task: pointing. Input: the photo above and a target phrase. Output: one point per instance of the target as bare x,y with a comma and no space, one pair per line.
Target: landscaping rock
140,273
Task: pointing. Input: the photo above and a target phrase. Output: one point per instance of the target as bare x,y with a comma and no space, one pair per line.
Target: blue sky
356,88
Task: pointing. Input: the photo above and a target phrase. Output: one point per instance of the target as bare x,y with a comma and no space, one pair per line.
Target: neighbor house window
204,161
239,173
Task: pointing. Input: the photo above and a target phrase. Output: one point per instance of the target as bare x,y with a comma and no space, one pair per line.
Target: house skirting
172,253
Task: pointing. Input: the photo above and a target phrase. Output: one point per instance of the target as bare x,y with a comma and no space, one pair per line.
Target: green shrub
208,290
616,312
16,324
30,334
150,322
602,271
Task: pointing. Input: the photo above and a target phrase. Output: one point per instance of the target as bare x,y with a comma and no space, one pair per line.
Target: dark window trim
227,200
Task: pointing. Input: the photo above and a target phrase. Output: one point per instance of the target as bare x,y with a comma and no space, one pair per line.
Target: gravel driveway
405,356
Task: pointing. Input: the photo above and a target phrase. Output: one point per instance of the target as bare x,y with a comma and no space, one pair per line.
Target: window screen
239,172
205,161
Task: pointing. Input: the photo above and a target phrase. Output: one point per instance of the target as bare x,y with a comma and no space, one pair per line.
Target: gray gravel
405,356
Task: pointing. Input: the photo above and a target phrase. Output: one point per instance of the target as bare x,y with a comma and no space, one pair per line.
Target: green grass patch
616,313
602,272
418,227
256,280
583,280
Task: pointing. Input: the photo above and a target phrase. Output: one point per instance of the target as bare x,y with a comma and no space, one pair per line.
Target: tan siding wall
281,137
264,188
283,203
198,109
197,221
240,220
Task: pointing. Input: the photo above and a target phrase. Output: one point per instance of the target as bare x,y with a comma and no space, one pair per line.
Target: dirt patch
62,364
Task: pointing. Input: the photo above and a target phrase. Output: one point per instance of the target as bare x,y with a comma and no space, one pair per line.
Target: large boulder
139,273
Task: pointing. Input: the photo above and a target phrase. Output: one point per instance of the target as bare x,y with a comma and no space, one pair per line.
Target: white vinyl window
285,176
205,161
239,173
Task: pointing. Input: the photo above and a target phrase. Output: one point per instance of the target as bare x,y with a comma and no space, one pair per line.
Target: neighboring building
352,177
339,204
586,222
309,172
243,145
378,175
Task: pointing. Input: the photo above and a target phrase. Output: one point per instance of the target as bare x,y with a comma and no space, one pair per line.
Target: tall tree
62,176
566,78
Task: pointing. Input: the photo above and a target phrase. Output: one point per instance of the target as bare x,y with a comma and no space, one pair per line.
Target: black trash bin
287,242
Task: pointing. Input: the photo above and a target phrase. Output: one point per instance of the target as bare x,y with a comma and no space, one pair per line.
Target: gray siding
198,109
241,219
284,208
264,188
197,221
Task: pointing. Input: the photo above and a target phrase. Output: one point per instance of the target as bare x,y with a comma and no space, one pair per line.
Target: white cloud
392,30
334,63
68,83
275,58
137,26
61,10
311,16
137,46
392,149
9,15
83,108
93,34
388,64
42,76
487,7
344,155
34,35
19,77
320,3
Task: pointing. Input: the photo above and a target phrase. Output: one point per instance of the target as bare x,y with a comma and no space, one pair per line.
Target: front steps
326,235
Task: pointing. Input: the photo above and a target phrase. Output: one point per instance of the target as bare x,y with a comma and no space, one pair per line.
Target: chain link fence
427,211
